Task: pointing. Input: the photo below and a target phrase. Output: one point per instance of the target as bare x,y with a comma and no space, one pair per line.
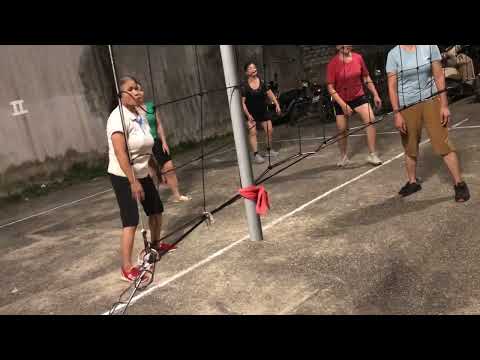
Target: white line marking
266,227
55,208
468,127
298,303
459,123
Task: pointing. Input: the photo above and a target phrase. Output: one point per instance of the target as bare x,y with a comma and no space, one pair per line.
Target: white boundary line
468,127
266,227
378,133
223,152
55,208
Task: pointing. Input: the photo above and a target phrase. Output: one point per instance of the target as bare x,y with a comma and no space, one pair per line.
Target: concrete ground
337,241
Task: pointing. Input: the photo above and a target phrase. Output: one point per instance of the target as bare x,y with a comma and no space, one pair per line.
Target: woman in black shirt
254,102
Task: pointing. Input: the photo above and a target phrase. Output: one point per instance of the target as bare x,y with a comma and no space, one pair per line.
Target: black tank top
256,100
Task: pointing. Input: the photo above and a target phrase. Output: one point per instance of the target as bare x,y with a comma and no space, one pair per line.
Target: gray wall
67,92
286,61
175,75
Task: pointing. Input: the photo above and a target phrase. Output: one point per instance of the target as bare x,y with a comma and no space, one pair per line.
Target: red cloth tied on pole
258,194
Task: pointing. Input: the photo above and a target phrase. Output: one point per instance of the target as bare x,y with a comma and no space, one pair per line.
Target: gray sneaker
374,159
271,153
343,161
258,159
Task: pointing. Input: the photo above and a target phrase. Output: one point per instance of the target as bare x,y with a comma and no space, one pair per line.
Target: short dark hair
126,78
248,64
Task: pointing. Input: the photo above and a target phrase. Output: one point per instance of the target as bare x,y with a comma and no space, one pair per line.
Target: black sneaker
409,188
461,192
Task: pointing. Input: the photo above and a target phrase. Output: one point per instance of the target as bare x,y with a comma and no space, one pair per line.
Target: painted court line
53,209
266,227
223,152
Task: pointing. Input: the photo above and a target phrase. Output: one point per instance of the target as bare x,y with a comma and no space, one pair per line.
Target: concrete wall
174,74
315,59
286,62
67,93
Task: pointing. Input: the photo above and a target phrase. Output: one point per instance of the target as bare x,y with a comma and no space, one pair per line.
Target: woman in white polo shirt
132,183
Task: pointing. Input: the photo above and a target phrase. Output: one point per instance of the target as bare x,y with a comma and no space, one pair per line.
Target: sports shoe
182,198
409,188
462,194
271,153
258,159
373,159
161,246
343,161
131,275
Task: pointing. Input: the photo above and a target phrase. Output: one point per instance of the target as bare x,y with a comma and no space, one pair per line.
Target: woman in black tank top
254,103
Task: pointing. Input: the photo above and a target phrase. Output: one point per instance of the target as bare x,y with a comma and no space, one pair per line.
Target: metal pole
239,133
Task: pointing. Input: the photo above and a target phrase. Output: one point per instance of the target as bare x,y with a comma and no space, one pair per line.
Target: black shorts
262,116
161,156
359,101
128,207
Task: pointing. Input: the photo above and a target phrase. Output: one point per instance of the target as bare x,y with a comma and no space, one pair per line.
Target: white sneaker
373,159
343,161
271,153
258,159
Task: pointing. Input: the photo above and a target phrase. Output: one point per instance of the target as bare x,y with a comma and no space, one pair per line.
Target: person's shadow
373,214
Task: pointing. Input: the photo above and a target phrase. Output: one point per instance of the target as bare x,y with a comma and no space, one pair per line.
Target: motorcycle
461,79
299,102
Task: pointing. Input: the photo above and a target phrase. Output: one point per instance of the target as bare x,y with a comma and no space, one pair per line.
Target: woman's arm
272,97
346,108
371,86
245,109
120,149
160,130
393,95
439,77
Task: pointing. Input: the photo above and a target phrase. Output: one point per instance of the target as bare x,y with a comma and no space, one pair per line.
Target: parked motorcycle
299,102
461,80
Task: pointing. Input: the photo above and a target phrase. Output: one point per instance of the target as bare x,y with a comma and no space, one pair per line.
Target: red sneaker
166,247
132,275
162,246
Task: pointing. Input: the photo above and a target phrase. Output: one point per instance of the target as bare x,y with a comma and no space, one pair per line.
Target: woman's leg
268,128
366,113
453,165
126,246
171,178
155,223
439,138
342,131
252,137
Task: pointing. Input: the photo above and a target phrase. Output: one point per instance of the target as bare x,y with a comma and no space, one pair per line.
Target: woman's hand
251,121
165,148
347,110
378,102
277,109
400,123
137,191
445,115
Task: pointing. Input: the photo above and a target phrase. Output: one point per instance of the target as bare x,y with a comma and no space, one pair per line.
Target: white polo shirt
140,142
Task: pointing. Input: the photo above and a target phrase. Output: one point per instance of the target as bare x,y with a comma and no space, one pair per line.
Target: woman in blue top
416,86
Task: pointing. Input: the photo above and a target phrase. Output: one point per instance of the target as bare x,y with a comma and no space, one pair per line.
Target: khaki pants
426,113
